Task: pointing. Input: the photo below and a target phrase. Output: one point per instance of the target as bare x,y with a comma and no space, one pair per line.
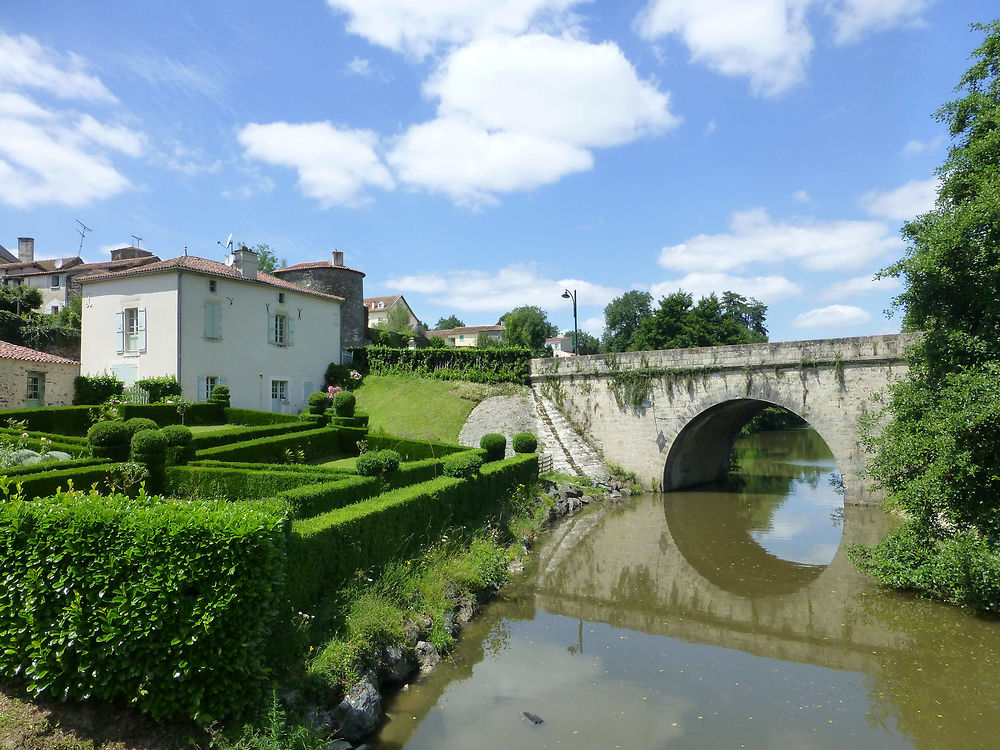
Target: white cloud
834,315
111,136
912,148
335,165
756,238
764,288
26,63
516,113
593,326
418,28
503,290
853,19
904,203
766,40
859,285
801,196
359,66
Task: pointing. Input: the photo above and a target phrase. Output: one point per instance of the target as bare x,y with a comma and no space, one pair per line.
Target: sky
479,155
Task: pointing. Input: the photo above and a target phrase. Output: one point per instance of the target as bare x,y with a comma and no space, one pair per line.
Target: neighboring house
208,324
379,307
56,277
467,335
561,346
32,378
6,256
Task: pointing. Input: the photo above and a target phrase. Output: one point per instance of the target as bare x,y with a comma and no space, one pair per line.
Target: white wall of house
52,296
227,336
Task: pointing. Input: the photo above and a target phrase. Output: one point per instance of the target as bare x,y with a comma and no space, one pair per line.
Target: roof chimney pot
245,262
26,249
338,258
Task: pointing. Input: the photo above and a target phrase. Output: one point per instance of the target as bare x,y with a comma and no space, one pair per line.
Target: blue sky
480,155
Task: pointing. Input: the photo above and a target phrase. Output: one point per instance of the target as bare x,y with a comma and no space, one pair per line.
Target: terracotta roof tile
23,353
212,268
389,300
316,264
464,330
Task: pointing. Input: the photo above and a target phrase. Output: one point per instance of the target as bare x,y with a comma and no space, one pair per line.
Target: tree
21,299
678,323
937,445
267,261
622,318
398,320
586,343
528,327
451,321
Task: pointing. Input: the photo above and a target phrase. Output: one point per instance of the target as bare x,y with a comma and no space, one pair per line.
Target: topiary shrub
148,445
462,465
525,442
377,463
343,404
318,402
495,446
178,439
109,439
135,424
220,395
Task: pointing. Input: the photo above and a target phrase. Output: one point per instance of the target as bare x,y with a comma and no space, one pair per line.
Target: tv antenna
82,231
228,246
136,241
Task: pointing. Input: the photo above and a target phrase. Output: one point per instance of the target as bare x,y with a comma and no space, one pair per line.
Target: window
213,320
281,297
54,283
54,310
131,330
279,390
210,382
33,394
280,330
280,326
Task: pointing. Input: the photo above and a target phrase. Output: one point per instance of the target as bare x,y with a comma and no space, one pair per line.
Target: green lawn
339,463
422,407
213,429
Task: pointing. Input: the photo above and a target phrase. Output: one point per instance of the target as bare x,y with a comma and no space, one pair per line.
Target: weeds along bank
227,571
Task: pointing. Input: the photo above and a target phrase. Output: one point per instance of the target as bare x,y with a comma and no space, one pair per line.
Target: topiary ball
148,444
343,404
377,463
220,395
462,465
177,434
525,442
495,446
108,433
135,424
318,402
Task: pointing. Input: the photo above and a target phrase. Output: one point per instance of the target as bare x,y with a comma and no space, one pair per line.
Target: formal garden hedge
166,605
316,443
253,417
499,365
413,450
75,420
242,434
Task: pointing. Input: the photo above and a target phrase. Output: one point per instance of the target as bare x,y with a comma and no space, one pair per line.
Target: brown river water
723,618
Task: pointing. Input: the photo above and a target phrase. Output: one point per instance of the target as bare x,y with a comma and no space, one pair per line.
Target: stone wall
682,432
58,389
343,282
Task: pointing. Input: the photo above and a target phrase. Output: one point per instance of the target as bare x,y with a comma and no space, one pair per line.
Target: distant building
208,324
6,256
561,346
465,336
378,309
32,378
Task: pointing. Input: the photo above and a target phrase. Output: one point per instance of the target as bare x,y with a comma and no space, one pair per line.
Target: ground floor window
279,390
33,394
210,382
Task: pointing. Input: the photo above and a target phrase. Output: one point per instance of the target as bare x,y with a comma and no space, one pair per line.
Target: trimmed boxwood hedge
53,436
233,484
462,465
242,434
43,484
316,444
326,471
377,463
358,420
254,417
413,450
67,420
492,365
325,551
167,605
16,472
312,499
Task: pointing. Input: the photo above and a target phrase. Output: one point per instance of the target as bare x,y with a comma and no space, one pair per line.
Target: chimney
25,249
338,258
245,262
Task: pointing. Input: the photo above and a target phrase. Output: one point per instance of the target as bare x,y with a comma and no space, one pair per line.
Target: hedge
242,434
315,444
19,471
96,389
74,449
358,420
67,420
53,436
325,551
167,605
493,365
413,450
324,471
313,499
210,482
254,417
43,484
163,414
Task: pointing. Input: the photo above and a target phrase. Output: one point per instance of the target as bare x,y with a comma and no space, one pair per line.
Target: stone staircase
570,453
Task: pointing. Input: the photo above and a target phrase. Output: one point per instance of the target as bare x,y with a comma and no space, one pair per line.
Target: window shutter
202,387
142,329
120,331
290,333
217,321
208,321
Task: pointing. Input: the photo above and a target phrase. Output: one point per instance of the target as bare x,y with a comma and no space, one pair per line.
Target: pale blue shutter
270,329
202,388
142,329
208,321
290,333
218,322
120,331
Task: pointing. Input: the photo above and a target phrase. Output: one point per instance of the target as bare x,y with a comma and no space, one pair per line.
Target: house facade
378,309
32,378
561,346
208,324
466,336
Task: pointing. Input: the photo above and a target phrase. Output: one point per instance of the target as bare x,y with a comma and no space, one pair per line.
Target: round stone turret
333,277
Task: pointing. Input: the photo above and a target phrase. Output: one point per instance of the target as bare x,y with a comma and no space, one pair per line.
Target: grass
423,407
339,463
213,429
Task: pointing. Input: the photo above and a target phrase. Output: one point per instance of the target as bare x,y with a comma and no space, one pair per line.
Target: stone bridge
672,416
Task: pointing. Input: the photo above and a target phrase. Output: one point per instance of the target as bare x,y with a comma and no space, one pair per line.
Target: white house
208,324
468,336
379,308
561,346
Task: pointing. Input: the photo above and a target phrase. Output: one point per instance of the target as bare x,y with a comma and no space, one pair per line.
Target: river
722,618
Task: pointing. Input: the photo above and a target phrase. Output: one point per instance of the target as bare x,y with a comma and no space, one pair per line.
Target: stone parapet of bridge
672,416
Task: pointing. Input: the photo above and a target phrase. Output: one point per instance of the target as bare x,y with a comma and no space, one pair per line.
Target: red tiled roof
464,330
212,268
390,300
45,266
316,264
23,353
100,265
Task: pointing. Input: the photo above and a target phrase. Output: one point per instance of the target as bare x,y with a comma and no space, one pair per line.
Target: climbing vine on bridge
632,387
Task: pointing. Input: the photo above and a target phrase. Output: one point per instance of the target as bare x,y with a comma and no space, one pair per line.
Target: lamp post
572,295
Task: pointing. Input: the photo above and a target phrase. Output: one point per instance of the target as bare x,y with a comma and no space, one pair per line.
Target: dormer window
381,305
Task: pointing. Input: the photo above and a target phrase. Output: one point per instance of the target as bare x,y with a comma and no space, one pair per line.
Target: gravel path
529,412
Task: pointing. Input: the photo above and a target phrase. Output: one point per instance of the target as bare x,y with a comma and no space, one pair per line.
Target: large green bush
343,404
109,439
149,445
495,446
462,465
135,424
159,388
165,605
377,463
493,365
525,442
220,395
178,437
318,402
96,389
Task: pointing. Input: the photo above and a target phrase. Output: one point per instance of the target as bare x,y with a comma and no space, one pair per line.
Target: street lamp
568,295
